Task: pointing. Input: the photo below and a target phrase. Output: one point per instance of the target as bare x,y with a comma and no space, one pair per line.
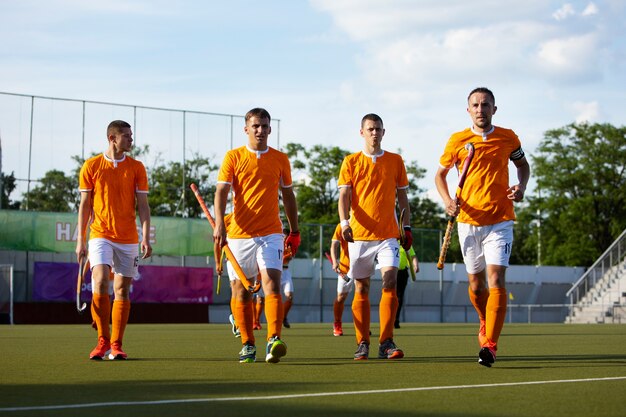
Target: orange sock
286,307
361,316
479,301
338,310
119,318
258,309
496,314
244,315
101,314
233,306
274,314
387,312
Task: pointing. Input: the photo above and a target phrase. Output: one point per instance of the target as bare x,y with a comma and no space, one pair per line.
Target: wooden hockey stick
252,287
446,239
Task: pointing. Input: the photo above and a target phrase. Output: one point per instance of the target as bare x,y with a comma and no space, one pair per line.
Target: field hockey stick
446,239
402,239
218,253
83,267
252,287
330,259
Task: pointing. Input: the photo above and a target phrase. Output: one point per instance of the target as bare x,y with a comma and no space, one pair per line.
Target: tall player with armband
484,211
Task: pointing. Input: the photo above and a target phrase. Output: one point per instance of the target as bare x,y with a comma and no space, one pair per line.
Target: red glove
293,242
408,238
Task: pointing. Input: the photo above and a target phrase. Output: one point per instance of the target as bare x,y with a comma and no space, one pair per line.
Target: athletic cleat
276,349
103,347
247,354
362,351
256,326
286,323
337,330
486,357
116,352
234,327
389,350
482,334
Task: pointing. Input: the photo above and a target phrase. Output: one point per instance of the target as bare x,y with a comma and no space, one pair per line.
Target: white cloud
570,58
373,20
590,10
564,12
586,111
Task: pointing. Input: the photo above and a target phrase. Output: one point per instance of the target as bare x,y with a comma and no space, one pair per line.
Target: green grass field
192,369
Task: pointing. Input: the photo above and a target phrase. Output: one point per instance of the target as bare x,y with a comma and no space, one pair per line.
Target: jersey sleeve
85,181
337,233
403,179
226,172
449,157
142,178
285,177
345,174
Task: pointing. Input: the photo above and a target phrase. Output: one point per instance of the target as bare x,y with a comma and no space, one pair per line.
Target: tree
581,174
7,186
317,191
56,192
317,195
427,217
167,196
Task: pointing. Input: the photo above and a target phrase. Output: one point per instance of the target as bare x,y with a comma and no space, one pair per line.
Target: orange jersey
374,181
113,185
483,199
344,260
255,178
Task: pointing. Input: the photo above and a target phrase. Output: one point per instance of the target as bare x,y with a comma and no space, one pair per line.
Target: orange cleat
116,352
101,349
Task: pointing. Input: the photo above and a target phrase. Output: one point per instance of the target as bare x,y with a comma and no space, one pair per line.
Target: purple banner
54,281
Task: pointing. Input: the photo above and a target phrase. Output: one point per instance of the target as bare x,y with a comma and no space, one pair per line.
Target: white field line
309,395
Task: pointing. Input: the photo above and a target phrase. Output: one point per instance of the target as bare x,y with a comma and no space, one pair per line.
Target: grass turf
439,376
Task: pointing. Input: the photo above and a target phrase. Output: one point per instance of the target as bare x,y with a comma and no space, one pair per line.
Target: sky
320,65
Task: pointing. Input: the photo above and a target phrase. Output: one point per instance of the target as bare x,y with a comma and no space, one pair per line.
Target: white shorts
485,245
255,254
286,283
123,258
343,286
365,253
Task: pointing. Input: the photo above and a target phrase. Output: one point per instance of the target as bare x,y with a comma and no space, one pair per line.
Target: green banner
56,232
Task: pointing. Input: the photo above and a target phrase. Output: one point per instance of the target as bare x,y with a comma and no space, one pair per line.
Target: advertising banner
53,281
56,232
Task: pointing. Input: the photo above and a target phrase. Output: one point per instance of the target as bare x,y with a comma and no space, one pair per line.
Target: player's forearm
403,203
344,203
442,186
334,251
291,209
219,203
84,211
523,175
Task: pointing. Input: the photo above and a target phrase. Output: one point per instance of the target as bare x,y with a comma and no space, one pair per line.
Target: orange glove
293,242
408,238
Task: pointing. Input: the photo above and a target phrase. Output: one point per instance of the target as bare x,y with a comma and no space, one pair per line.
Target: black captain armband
517,154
